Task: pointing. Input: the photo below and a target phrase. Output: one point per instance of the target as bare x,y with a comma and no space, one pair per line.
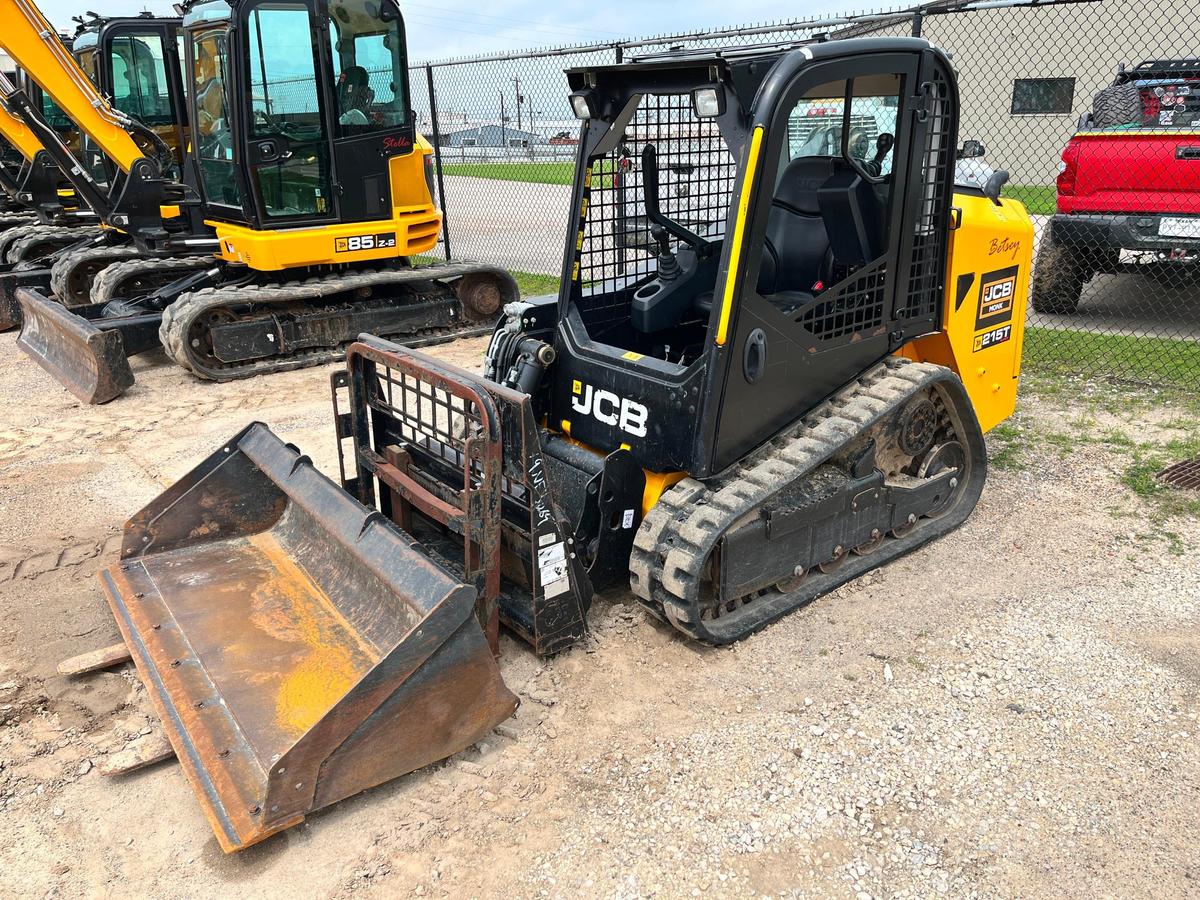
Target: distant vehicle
1128,188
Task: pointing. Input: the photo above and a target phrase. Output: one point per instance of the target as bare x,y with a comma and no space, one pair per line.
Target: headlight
582,103
707,102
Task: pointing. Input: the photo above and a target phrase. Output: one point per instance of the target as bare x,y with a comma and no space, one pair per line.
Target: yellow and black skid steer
308,175
755,384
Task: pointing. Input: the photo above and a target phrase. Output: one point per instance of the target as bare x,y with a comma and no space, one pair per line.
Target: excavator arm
33,44
13,129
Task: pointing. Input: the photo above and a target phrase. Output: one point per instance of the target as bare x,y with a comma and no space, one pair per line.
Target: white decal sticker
544,539
627,519
554,588
551,554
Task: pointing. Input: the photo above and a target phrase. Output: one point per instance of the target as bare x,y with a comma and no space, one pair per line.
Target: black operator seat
853,216
796,253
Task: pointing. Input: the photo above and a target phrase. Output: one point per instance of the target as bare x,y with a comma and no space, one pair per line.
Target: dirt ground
1011,711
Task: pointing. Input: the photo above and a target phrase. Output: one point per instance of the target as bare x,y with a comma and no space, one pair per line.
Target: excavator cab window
213,130
369,66
289,147
139,78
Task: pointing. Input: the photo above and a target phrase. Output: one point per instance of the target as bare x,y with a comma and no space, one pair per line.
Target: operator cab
658,204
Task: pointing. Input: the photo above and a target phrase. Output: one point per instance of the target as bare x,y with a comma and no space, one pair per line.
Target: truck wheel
1058,279
1120,104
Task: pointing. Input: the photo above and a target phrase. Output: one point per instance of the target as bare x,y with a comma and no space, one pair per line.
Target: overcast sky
460,27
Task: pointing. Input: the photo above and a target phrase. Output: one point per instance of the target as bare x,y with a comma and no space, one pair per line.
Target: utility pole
520,100
503,128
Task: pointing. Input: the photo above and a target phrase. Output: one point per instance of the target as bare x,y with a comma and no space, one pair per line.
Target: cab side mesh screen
696,172
929,243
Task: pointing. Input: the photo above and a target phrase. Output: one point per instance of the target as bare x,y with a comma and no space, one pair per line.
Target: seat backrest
853,216
796,250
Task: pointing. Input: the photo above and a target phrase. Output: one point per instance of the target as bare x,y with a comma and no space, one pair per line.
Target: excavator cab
136,62
288,101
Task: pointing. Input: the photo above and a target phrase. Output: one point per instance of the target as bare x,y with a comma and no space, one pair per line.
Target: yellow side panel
987,291
412,230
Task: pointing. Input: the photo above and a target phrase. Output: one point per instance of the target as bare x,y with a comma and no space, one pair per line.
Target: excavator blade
298,647
89,361
10,309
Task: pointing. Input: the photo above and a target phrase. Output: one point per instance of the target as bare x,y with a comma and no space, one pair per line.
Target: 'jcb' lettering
998,292
606,407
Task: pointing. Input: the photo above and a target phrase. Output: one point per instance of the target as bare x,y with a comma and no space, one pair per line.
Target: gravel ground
1011,711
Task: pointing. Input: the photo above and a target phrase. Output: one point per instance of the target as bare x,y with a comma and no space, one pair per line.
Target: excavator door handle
271,150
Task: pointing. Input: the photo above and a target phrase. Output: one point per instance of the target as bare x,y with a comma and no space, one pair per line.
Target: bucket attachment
10,309
86,353
298,647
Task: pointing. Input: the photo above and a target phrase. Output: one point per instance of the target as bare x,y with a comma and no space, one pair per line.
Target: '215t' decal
364,242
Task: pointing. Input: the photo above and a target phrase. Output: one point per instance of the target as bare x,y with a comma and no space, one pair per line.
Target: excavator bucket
89,361
10,309
298,647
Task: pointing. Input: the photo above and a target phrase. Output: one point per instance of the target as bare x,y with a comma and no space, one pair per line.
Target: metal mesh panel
1119,301
696,173
854,306
927,273
423,414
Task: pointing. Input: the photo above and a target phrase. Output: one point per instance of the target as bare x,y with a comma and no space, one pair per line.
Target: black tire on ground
1058,279
1120,104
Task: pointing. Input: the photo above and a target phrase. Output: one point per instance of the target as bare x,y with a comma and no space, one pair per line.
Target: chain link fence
1092,106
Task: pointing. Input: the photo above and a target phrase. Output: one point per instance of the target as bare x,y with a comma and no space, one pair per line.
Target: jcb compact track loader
120,85
311,173
736,414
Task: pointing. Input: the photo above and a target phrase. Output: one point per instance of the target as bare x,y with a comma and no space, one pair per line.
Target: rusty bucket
298,647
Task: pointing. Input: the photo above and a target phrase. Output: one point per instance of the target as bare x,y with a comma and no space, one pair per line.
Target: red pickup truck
1128,188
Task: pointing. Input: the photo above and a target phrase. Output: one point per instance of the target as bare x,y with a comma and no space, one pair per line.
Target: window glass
285,106
369,67
139,79
213,130
1043,96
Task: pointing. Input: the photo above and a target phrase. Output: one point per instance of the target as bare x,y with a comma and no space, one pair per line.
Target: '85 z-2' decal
365,242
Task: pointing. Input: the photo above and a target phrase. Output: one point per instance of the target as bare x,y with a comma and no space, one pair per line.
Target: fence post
918,22
437,161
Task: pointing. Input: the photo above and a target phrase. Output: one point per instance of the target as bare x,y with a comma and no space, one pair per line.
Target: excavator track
15,219
675,564
187,337
74,272
139,277
20,243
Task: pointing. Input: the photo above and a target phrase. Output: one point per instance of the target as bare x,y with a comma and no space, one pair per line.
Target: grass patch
532,284
1010,454
1153,360
1039,199
527,172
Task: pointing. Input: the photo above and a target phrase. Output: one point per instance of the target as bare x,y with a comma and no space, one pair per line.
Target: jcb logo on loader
997,290
605,406
364,242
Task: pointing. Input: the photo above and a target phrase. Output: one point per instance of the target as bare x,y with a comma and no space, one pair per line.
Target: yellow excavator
133,61
41,211
764,375
308,172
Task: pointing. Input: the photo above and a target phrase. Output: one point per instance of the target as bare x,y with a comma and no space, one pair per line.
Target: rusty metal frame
472,512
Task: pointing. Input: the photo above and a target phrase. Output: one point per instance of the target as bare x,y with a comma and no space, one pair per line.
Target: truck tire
1058,279
1120,104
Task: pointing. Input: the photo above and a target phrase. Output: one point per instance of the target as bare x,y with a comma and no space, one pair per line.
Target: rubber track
15,220
179,316
680,533
64,267
109,282
15,241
